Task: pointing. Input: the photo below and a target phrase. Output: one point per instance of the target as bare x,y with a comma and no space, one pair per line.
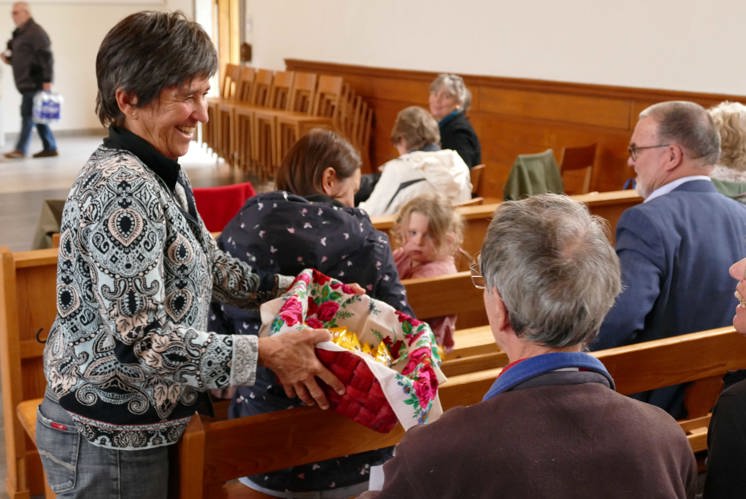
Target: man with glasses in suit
675,248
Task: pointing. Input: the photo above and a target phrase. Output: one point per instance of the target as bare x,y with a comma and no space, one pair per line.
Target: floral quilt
377,395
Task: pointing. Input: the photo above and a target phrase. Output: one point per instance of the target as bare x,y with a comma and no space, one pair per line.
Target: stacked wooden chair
263,133
261,114
242,119
211,132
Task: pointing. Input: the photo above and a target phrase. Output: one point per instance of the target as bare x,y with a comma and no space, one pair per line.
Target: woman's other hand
292,357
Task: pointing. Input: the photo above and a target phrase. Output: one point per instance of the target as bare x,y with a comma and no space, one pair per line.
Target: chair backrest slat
262,86
279,97
303,92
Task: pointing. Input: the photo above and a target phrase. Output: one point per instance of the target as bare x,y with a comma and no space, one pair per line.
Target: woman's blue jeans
77,469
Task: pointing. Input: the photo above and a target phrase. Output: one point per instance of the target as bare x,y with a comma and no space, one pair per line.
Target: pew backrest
700,359
608,205
27,310
213,452
452,294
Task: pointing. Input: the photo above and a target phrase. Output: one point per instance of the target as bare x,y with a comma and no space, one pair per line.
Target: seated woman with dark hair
422,166
449,100
309,222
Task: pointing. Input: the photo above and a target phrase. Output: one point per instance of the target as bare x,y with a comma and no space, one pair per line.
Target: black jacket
31,57
457,133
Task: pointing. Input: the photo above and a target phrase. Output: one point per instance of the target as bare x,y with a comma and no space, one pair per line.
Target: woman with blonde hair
729,175
428,232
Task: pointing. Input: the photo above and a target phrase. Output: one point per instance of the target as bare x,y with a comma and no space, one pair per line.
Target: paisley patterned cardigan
129,351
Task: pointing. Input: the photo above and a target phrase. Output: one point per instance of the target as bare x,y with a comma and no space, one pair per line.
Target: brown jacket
562,435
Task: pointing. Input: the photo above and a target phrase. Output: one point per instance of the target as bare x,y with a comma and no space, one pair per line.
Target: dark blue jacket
675,251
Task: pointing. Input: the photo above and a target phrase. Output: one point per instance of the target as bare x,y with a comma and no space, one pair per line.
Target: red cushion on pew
217,205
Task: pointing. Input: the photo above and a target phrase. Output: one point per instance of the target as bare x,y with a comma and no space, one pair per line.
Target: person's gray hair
553,265
147,52
455,87
689,125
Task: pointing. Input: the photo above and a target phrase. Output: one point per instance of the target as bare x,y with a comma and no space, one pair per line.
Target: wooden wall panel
514,115
542,106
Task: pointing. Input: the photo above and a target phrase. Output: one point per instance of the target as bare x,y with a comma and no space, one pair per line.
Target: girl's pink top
443,327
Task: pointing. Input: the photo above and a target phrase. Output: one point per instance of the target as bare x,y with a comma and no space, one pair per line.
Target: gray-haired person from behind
551,425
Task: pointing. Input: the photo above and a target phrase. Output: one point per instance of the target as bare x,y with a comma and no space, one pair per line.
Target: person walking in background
30,54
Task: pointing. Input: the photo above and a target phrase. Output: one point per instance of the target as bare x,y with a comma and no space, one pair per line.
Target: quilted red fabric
363,401
377,396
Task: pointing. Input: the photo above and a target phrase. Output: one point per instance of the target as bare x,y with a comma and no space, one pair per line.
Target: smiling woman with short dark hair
129,357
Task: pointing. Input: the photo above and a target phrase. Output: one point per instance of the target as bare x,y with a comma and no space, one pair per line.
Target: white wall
76,30
670,44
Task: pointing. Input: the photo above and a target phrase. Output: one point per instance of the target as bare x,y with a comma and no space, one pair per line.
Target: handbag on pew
377,396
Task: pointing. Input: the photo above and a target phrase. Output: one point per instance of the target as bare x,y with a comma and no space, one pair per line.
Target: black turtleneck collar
167,169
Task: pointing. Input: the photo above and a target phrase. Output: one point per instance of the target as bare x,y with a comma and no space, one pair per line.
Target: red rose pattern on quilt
377,396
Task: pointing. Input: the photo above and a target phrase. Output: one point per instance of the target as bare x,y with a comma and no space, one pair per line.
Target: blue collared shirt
665,189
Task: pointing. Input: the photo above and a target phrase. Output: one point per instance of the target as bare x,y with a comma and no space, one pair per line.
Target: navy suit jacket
675,251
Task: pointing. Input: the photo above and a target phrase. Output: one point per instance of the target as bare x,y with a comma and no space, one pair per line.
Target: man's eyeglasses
477,279
633,150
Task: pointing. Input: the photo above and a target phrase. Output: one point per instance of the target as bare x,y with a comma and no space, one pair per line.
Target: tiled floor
25,184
